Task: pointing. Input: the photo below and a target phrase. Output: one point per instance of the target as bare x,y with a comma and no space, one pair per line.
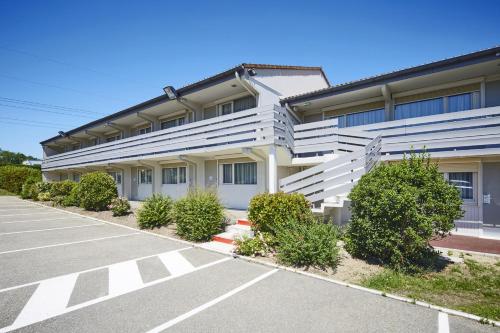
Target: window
360,118
113,138
419,108
117,176
244,103
76,177
174,175
172,123
144,130
227,173
75,147
145,176
445,104
244,173
464,182
226,108
210,112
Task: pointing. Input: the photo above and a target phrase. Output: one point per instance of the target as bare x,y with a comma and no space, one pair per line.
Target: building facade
257,128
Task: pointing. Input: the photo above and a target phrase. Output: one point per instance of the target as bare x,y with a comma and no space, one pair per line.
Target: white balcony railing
253,127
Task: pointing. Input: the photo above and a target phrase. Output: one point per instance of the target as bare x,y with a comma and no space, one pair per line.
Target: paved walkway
468,243
62,272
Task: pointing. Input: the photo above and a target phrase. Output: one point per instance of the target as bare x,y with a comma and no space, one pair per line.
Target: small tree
96,190
398,208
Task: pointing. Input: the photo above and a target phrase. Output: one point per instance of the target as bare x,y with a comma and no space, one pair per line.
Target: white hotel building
257,128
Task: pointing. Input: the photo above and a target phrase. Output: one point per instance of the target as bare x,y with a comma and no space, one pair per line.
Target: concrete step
244,222
241,230
218,247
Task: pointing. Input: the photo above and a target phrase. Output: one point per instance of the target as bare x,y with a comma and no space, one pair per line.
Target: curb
297,271
446,249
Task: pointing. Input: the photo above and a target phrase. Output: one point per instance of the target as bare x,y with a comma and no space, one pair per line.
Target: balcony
465,133
254,127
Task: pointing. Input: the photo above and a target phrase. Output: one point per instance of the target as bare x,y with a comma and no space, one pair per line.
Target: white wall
272,84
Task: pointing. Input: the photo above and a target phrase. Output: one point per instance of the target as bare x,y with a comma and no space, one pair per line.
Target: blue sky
103,56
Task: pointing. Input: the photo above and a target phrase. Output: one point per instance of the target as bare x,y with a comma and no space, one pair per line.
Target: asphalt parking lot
66,273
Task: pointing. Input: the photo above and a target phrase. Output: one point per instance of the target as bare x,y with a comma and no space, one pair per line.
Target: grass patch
5,192
470,287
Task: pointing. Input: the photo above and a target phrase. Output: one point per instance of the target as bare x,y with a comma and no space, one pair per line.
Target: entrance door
491,190
117,176
144,183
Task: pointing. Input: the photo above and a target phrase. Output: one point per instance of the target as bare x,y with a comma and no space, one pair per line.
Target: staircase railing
334,177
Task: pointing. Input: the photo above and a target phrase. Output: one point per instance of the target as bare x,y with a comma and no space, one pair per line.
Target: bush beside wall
397,209
96,190
156,212
268,211
198,216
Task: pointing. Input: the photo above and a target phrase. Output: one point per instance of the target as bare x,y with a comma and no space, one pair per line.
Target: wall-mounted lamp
170,91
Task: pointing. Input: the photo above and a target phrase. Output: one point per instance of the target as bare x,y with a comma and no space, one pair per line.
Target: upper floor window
244,103
144,130
174,175
453,103
360,118
113,138
172,123
237,105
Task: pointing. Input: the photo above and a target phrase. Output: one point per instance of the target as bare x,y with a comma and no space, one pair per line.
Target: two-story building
256,128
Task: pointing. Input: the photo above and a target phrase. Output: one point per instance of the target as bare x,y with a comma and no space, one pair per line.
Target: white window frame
145,176
446,175
178,175
114,137
233,173
117,176
144,129
219,108
177,122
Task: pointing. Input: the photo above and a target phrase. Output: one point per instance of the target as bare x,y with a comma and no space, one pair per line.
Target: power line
34,121
50,106
10,77
30,125
62,113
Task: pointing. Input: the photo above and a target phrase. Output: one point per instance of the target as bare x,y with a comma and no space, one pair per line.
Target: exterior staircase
224,242
328,184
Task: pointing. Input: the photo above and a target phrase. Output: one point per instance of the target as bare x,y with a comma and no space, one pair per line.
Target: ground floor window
145,176
239,173
174,175
465,183
117,176
76,177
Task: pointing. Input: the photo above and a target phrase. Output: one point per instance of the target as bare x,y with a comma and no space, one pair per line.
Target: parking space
65,273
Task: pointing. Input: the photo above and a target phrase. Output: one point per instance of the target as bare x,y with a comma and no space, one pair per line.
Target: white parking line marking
70,243
176,263
91,269
124,278
443,324
49,299
48,219
21,208
50,229
213,302
29,214
105,298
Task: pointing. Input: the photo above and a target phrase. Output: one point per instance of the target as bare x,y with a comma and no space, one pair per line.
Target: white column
272,167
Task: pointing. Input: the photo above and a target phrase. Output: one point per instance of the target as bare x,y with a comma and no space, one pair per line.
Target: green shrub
261,244
121,207
44,196
44,186
12,177
62,188
96,191
29,189
58,200
307,244
397,209
198,216
72,199
269,211
156,212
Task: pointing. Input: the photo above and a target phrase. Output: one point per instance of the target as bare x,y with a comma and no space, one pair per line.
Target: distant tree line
9,157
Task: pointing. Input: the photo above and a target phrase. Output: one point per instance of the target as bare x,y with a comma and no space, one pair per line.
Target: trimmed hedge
155,212
268,211
12,177
198,216
120,207
96,190
397,209
62,188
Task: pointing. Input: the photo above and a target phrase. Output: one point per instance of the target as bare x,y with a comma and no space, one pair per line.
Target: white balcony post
272,170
